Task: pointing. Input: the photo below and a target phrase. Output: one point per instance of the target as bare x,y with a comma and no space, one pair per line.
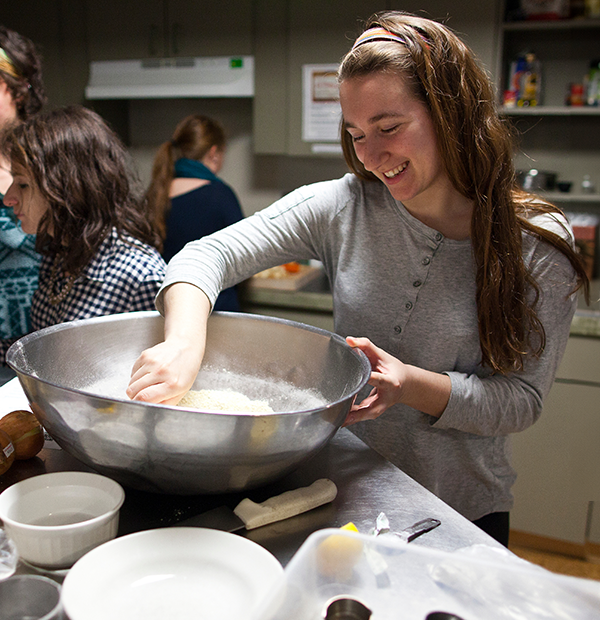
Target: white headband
377,34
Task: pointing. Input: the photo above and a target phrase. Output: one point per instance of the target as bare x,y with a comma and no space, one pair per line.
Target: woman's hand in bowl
164,373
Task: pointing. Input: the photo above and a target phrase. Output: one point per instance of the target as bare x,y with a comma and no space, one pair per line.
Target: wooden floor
557,563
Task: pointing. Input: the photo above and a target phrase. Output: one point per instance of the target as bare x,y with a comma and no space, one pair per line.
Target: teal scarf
193,169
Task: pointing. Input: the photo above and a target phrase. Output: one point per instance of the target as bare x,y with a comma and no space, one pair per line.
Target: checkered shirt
124,276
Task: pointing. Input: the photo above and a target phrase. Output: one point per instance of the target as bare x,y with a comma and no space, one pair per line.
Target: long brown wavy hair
477,148
26,87
193,137
83,171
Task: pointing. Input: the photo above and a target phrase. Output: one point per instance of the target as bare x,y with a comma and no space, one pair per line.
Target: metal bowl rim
364,362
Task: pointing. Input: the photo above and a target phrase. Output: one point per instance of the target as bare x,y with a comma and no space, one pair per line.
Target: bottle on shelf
592,8
587,187
576,95
524,82
592,84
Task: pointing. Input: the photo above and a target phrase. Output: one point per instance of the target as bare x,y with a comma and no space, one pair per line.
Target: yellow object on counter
338,554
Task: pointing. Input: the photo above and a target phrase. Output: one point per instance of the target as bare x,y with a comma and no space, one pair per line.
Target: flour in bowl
223,400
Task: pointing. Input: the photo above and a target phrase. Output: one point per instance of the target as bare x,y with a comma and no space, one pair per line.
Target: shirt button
398,329
408,305
426,260
417,283
438,236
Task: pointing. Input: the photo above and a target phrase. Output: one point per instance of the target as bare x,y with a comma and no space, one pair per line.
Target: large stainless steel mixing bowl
75,375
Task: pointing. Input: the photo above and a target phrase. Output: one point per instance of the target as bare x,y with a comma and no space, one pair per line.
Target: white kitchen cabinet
558,459
209,28
119,30
271,77
168,28
291,33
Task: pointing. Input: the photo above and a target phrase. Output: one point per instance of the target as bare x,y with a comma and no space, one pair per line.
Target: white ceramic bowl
54,519
173,572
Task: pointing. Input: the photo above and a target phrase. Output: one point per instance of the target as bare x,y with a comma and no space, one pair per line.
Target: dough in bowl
223,400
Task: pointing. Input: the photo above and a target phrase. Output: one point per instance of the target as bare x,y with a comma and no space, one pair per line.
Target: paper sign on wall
321,112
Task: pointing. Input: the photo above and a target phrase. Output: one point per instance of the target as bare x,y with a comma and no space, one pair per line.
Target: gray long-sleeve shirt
412,292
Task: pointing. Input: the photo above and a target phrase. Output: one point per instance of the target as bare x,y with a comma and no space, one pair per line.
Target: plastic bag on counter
8,556
413,581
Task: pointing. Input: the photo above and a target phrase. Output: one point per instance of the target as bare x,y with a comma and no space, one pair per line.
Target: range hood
211,76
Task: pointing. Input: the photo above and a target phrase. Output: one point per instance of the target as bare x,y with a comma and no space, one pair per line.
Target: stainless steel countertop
367,484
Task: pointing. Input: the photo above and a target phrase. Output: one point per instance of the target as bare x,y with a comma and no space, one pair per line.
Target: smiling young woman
461,286
394,138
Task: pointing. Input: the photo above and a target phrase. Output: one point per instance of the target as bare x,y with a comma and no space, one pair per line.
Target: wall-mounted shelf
572,197
555,24
552,110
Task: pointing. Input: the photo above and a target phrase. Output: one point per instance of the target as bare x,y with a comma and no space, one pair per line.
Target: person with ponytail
186,198
457,285
21,97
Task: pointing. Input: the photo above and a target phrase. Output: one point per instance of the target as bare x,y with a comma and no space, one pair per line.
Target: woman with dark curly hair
72,186
461,285
21,96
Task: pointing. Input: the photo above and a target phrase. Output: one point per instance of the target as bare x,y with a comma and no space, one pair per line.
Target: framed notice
321,112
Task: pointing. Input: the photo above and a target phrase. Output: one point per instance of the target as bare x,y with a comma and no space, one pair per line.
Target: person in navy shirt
186,198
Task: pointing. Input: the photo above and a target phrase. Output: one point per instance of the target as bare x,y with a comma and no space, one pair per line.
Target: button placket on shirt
417,283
